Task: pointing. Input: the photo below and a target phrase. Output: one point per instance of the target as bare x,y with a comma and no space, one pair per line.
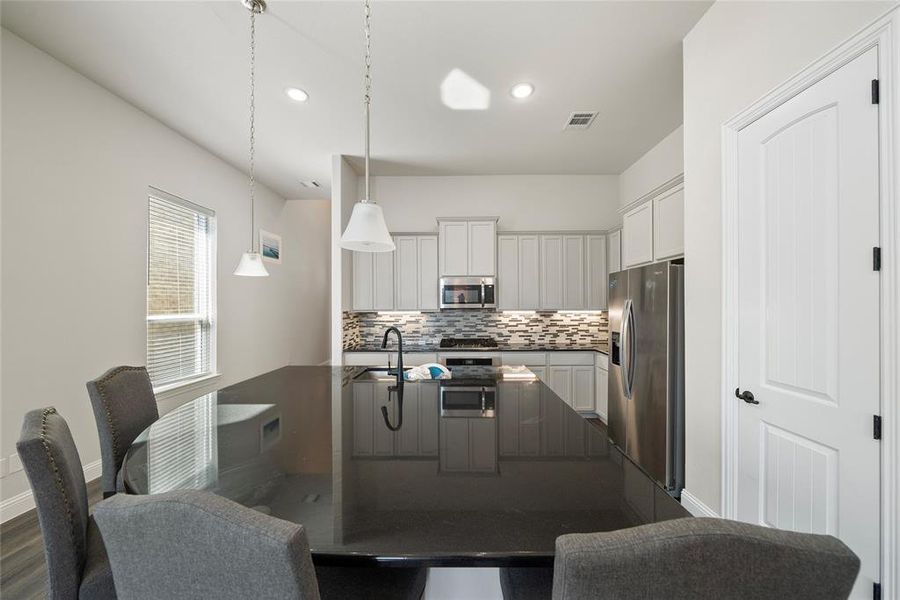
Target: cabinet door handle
746,396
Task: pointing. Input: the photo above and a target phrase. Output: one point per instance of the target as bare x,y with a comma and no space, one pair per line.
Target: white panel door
668,224
583,389
482,248
363,280
614,256
454,248
508,271
551,272
529,272
597,274
808,323
574,275
428,272
637,236
384,280
407,275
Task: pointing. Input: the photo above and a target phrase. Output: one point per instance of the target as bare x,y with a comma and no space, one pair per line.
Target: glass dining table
478,471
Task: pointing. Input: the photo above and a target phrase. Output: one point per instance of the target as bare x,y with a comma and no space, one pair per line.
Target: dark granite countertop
601,348
310,445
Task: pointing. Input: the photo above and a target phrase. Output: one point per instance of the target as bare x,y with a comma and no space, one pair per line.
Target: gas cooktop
468,343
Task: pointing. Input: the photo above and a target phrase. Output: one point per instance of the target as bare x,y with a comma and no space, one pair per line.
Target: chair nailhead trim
59,483
101,384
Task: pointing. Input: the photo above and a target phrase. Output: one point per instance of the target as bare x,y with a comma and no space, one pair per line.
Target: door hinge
876,96
876,258
876,427
876,591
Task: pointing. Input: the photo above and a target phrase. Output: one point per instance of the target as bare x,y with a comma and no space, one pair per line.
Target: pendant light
366,231
251,264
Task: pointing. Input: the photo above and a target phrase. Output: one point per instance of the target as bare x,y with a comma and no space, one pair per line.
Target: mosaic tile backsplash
426,329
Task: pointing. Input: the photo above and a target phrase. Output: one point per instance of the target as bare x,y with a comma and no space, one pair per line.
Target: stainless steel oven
468,292
468,400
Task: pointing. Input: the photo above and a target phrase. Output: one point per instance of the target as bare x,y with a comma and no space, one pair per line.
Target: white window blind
180,293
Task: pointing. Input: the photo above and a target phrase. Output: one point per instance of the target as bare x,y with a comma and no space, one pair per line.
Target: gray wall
76,164
734,55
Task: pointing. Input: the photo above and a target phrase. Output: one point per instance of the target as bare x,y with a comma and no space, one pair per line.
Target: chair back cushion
702,558
124,405
193,544
54,470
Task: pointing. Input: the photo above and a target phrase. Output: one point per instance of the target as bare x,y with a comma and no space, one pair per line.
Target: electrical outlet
15,463
4,467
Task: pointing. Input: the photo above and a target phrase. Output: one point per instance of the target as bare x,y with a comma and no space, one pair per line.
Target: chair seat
349,583
96,579
526,583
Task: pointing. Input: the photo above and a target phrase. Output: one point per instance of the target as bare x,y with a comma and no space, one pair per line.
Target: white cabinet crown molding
660,189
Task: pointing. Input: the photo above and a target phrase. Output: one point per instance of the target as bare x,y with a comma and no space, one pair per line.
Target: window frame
197,379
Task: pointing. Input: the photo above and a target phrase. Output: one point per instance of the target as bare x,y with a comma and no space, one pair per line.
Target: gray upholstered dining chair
77,565
702,558
193,544
124,406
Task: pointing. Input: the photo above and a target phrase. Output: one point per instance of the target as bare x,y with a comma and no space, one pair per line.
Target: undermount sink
379,374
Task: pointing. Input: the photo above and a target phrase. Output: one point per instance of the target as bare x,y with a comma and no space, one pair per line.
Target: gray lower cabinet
419,435
468,445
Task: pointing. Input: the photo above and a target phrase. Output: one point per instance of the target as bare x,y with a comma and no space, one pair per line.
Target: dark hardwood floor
23,571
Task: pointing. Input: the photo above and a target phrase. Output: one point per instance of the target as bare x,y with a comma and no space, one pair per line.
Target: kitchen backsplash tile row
425,329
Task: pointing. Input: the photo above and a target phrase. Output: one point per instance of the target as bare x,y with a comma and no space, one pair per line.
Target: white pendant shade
251,265
366,231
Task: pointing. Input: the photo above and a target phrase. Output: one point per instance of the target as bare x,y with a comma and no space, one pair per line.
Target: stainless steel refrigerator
646,369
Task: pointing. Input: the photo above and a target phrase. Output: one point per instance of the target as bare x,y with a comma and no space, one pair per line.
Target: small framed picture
270,246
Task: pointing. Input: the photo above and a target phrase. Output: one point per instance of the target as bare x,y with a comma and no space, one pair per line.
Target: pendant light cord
252,125
367,98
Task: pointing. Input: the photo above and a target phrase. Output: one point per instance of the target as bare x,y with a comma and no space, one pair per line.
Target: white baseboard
695,506
22,503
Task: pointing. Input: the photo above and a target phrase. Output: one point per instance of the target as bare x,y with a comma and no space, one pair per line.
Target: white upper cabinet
454,248
614,255
428,272
552,270
468,247
407,272
529,272
406,279
384,280
597,273
637,236
653,230
508,272
573,278
668,224
364,280
482,249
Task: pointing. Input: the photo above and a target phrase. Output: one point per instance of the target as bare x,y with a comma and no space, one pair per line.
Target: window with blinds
180,290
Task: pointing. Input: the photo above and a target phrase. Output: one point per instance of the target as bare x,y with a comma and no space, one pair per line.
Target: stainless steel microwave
468,292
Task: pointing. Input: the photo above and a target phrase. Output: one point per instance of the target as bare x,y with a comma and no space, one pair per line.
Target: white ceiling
186,64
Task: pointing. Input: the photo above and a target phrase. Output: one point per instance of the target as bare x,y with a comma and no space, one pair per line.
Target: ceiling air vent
310,183
580,120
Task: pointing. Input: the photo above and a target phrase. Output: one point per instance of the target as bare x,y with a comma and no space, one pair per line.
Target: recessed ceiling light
522,90
296,94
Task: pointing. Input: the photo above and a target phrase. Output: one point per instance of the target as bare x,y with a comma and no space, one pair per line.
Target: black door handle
746,396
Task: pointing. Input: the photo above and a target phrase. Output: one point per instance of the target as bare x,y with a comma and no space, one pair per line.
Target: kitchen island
380,480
